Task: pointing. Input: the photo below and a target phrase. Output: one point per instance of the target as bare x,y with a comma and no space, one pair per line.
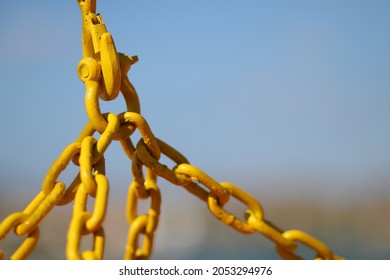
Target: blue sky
252,92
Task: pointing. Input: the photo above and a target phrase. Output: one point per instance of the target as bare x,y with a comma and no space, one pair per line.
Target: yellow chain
104,73
145,224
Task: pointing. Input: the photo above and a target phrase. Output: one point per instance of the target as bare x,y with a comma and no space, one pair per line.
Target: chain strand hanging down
104,73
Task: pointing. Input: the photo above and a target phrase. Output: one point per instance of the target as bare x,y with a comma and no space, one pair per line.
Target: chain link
104,72
145,224
84,223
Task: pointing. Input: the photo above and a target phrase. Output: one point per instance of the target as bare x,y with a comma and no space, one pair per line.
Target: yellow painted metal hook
86,7
98,44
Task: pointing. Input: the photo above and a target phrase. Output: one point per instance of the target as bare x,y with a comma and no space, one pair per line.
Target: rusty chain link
104,73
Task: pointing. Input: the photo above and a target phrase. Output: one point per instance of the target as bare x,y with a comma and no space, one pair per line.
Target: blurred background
289,100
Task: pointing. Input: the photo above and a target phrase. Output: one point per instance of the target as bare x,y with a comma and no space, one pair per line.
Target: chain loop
322,251
154,210
39,208
70,191
28,245
107,136
84,222
167,173
58,166
190,172
127,89
138,183
138,228
137,224
269,231
146,133
76,229
229,219
11,222
99,211
86,165
128,147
